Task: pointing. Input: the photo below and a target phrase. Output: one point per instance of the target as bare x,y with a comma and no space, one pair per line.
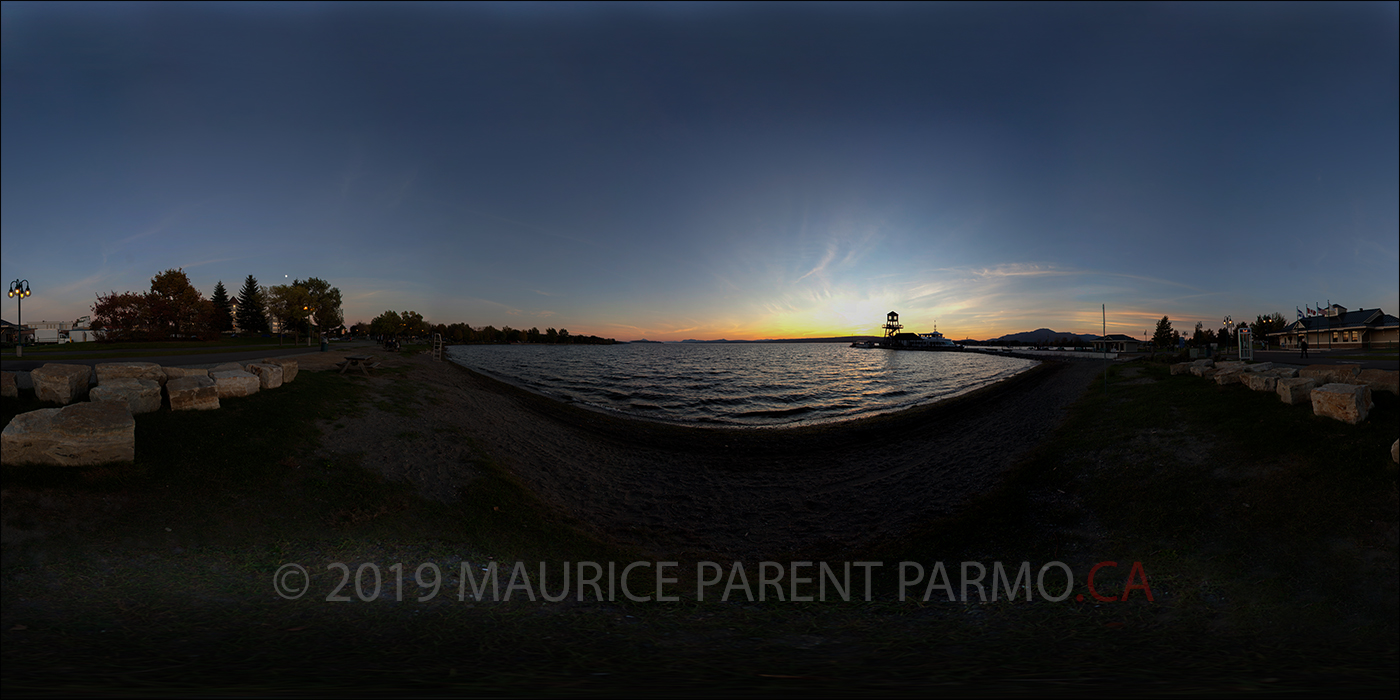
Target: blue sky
705,171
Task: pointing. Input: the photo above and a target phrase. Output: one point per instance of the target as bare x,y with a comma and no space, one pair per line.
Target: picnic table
365,363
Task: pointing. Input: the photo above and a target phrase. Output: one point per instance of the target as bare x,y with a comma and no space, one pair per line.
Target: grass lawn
1268,538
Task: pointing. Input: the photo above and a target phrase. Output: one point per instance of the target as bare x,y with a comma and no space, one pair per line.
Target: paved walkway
1324,357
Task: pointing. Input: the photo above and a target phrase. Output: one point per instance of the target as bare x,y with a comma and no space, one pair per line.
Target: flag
1309,308
1300,313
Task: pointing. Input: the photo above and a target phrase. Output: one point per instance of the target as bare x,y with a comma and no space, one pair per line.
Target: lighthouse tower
892,325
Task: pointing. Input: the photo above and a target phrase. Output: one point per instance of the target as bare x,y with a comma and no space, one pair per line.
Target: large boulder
1260,381
1259,367
1294,391
1181,368
269,376
1205,371
1229,375
226,367
1330,374
1285,372
177,372
62,384
1395,451
289,367
232,383
1379,380
8,386
192,394
107,371
138,395
1348,403
72,436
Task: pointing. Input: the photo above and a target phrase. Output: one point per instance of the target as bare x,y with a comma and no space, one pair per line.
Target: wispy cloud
400,191
190,266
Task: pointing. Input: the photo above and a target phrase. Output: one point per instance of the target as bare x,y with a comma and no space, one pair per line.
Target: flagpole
1103,310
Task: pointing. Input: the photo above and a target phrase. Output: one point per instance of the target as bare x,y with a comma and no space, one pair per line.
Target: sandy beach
682,492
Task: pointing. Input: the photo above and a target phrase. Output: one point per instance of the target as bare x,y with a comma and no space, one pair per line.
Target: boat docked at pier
896,340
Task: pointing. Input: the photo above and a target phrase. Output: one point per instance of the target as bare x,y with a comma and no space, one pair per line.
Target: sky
697,170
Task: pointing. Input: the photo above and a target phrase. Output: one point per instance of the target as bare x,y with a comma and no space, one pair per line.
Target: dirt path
701,492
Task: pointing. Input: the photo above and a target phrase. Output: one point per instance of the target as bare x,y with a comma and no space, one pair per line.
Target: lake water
739,384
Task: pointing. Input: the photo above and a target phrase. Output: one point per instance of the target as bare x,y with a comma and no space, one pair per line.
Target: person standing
1304,345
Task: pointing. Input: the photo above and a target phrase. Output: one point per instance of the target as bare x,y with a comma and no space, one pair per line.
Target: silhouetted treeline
462,333
411,324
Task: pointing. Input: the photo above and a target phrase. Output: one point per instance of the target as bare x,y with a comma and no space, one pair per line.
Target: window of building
1334,336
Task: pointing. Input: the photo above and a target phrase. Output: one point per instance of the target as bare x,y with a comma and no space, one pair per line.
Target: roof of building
1360,318
1118,338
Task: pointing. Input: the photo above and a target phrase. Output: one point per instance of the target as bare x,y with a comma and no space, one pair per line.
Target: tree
222,313
413,323
251,317
174,308
120,317
1264,325
1222,337
288,304
386,324
1162,337
323,303
1201,337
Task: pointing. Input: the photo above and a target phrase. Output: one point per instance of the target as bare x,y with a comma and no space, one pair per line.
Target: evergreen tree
223,308
1162,337
251,318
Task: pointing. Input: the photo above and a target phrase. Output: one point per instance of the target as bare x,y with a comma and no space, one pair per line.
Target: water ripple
751,384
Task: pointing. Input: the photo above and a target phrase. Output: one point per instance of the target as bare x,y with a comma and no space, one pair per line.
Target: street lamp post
20,288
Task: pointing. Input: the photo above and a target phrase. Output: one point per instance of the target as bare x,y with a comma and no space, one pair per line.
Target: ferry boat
935,341
895,340
918,341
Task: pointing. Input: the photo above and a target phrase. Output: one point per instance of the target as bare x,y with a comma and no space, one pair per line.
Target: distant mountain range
1044,335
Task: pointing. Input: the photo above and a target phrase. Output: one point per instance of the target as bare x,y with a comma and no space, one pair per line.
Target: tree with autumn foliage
175,309
120,317
172,309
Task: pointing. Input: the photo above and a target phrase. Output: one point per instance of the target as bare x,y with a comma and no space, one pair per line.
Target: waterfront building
1116,342
1337,327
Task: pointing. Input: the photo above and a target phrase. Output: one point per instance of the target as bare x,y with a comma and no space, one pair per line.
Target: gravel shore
699,492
